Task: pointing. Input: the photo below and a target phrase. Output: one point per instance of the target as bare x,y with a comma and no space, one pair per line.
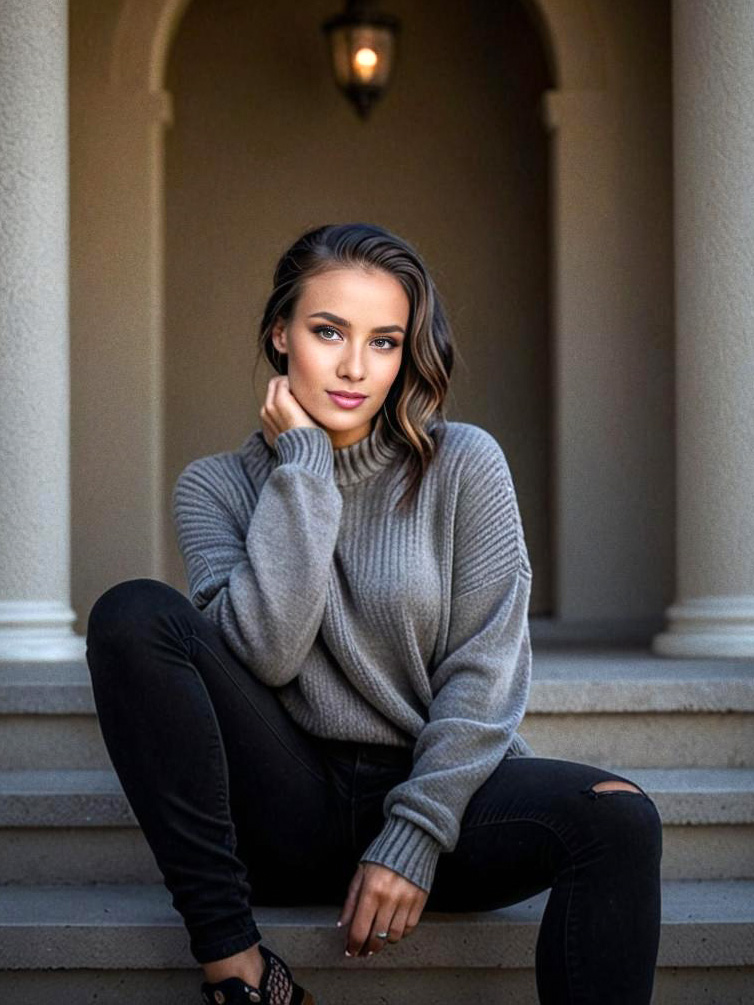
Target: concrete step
603,705
110,944
47,717
592,704
72,826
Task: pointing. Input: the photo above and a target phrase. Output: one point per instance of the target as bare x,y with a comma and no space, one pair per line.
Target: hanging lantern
363,46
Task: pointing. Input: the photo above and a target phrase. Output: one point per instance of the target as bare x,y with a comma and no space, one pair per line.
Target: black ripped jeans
240,805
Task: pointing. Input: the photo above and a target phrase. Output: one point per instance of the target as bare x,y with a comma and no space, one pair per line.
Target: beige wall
454,158
115,384
615,401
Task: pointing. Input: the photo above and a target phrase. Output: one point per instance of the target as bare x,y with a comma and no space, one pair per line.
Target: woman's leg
538,823
231,795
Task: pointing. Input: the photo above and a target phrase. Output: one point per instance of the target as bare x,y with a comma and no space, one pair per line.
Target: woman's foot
249,964
276,986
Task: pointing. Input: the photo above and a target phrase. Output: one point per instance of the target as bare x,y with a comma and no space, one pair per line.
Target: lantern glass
362,54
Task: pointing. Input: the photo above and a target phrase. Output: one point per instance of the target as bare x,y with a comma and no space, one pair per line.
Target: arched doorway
263,146
605,450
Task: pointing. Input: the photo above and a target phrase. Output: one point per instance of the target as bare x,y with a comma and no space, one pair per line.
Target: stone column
35,611
713,84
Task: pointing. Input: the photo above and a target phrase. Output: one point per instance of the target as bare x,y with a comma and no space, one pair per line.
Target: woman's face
333,344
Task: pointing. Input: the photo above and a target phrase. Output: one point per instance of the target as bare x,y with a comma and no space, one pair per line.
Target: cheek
392,369
308,363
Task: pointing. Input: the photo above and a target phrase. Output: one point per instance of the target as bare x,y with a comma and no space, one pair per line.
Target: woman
332,716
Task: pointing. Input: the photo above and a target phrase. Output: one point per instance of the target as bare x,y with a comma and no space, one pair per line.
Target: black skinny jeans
239,804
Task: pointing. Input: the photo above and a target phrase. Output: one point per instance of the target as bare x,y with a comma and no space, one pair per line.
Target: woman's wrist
407,849
307,446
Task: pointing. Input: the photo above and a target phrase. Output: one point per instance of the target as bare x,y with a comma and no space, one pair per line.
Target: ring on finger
381,935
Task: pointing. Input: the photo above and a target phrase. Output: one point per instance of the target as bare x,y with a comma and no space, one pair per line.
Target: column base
38,630
708,626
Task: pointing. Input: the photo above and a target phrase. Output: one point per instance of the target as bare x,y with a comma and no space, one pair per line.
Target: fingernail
338,924
347,953
370,953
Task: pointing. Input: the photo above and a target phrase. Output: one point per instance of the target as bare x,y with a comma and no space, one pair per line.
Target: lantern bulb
366,57
365,63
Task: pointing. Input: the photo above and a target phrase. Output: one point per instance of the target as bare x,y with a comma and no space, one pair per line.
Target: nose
351,364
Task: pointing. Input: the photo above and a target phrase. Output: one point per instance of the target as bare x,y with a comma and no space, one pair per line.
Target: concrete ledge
65,798
705,924
565,679
80,798
608,680
441,986
57,856
60,688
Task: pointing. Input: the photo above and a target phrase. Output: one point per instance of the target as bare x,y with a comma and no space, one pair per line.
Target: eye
326,328
390,343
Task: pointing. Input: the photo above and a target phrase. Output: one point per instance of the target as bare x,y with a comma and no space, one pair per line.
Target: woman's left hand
380,900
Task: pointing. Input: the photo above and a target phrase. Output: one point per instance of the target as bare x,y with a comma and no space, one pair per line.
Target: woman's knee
633,814
128,606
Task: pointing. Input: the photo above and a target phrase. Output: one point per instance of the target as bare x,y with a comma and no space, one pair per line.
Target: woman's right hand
282,411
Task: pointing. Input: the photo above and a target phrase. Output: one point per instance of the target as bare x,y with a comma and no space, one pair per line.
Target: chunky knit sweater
373,624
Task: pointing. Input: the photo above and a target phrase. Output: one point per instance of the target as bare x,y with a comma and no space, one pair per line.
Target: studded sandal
277,986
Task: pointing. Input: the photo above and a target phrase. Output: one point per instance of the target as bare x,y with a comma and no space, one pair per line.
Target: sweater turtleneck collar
365,457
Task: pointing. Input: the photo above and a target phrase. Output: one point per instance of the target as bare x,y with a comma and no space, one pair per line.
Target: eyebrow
347,324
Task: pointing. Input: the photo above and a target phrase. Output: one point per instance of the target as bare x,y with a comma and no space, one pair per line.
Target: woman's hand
380,900
282,411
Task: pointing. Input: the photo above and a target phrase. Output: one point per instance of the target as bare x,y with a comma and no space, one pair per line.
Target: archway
125,129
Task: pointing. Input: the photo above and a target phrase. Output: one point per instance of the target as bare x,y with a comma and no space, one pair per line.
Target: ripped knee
614,791
612,785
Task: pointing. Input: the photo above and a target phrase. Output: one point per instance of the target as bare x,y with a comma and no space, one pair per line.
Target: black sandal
277,986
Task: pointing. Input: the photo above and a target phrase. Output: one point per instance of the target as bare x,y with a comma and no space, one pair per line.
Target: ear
279,339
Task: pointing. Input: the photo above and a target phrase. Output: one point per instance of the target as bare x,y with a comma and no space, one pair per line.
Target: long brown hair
415,403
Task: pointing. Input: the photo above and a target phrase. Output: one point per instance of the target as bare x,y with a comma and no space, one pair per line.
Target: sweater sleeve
481,685
264,585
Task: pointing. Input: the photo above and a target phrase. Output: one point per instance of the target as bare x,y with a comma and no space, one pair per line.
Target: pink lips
345,401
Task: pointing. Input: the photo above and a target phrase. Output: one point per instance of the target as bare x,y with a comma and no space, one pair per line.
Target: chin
345,426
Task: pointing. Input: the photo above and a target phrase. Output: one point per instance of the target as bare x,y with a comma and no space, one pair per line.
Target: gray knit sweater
374,624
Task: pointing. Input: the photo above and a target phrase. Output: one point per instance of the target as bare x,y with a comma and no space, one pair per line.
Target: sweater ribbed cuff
406,848
308,446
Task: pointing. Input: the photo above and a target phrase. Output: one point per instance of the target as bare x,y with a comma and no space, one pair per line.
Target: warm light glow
364,64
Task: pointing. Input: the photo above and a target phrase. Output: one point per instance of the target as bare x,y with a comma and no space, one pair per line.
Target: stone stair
84,914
